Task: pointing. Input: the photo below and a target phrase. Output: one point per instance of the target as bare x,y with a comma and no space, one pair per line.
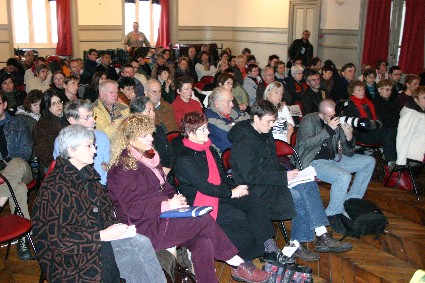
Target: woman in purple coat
139,190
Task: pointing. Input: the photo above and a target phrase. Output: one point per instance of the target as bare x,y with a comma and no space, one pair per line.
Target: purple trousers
204,239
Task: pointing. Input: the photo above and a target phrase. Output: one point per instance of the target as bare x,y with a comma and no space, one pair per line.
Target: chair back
50,169
294,138
225,159
207,80
172,135
284,151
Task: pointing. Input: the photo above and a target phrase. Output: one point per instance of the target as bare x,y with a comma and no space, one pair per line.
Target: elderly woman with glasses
241,215
295,85
48,127
140,192
75,229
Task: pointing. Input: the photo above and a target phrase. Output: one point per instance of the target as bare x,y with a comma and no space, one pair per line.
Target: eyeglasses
155,92
89,146
56,103
88,117
204,129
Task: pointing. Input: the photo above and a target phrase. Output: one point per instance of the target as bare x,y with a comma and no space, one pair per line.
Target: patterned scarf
114,113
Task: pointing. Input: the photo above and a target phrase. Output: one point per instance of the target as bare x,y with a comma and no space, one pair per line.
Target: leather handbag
399,179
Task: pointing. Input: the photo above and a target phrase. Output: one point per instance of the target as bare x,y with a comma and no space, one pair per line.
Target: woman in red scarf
202,180
140,192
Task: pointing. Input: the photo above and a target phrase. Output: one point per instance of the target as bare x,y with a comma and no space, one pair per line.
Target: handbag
288,273
399,179
181,275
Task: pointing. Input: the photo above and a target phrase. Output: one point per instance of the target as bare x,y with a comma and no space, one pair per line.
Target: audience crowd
109,134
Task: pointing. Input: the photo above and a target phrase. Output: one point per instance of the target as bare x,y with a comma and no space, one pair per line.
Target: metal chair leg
282,229
415,189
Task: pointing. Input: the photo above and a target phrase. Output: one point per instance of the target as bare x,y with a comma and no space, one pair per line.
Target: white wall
340,16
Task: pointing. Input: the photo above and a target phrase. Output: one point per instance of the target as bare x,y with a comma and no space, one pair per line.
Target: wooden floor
394,257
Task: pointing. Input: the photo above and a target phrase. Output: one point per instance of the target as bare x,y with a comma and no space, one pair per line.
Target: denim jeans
339,175
310,212
137,261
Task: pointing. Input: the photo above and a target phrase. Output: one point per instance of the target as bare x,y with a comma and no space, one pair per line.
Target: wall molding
339,31
234,29
100,27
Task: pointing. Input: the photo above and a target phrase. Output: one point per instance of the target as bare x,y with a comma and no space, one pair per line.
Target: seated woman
58,78
14,97
126,92
144,105
411,130
295,85
167,84
40,80
359,106
227,81
74,228
283,127
70,85
140,193
387,112
30,111
369,76
48,127
92,93
183,70
203,68
222,66
202,180
412,83
251,82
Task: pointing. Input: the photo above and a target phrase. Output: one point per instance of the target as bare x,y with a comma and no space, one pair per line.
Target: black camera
360,123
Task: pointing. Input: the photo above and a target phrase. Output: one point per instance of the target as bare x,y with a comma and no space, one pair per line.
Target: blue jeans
310,212
339,175
137,261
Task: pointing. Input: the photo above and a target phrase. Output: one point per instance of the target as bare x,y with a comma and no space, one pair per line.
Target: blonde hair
133,127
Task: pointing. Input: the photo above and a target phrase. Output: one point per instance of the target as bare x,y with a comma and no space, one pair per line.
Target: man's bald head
326,105
221,98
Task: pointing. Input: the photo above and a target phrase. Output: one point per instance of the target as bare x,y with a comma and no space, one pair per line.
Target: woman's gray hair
270,87
297,69
73,136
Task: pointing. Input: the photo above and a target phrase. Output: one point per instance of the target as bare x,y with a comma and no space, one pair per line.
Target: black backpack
365,218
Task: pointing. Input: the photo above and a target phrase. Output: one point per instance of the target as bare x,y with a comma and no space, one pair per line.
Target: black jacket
255,164
295,50
310,101
387,112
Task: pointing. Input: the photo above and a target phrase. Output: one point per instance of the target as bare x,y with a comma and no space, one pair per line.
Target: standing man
80,112
15,151
301,48
135,39
327,145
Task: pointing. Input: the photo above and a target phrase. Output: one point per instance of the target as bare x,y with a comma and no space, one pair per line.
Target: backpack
365,218
288,273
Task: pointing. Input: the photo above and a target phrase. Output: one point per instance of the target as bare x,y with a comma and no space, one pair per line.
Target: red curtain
63,13
377,32
411,58
164,25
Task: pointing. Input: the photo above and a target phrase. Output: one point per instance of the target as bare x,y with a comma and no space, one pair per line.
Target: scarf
213,176
114,113
360,103
151,163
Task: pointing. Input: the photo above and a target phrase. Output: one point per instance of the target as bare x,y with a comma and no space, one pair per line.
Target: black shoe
23,249
336,223
278,257
326,243
305,254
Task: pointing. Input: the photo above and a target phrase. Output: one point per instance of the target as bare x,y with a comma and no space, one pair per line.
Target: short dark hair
70,78
125,81
369,71
183,80
327,68
251,58
33,96
263,108
272,57
346,66
246,50
12,62
161,69
379,62
125,66
392,69
250,67
46,102
223,53
314,61
310,72
222,78
191,122
6,76
3,96
91,50
138,105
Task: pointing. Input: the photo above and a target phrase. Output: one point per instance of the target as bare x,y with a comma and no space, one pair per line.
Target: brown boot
247,272
326,243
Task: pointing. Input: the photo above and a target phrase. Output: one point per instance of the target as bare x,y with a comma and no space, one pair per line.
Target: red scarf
359,104
213,176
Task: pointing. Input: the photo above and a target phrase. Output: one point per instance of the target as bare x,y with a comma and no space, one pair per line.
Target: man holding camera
328,145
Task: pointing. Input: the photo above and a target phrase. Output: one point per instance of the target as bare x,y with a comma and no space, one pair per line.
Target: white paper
291,249
295,110
304,176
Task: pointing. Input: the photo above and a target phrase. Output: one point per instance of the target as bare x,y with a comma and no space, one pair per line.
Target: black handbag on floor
365,218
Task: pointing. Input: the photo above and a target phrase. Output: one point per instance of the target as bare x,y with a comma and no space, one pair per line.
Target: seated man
311,98
15,151
127,70
108,111
255,164
105,66
328,146
339,89
80,112
184,103
221,117
164,112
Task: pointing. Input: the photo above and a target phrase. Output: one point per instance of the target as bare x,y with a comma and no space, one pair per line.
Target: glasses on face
56,103
88,117
155,92
89,146
204,129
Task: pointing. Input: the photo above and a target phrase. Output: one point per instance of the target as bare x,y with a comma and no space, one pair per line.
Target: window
146,14
34,23
398,11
